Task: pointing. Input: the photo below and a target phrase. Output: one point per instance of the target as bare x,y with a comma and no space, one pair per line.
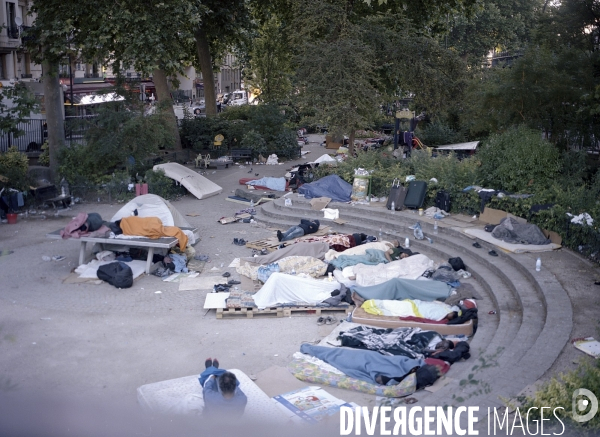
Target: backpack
118,274
442,200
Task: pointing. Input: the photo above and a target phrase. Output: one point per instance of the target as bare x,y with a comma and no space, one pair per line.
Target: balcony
12,32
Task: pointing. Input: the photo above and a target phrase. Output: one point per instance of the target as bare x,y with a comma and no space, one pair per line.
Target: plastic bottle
380,236
251,203
293,271
393,208
538,265
435,227
406,243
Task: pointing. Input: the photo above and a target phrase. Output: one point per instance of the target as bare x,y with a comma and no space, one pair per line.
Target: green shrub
14,167
437,134
558,392
163,186
44,158
518,159
254,141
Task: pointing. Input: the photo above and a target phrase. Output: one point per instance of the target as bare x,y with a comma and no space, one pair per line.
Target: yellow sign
404,114
218,139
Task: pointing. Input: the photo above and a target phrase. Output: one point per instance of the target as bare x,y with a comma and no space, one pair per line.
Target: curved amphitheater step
534,314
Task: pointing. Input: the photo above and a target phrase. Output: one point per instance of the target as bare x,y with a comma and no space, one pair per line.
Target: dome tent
151,205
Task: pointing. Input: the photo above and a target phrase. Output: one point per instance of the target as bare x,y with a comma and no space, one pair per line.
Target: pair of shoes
279,235
239,241
330,320
226,275
493,253
221,288
208,363
476,245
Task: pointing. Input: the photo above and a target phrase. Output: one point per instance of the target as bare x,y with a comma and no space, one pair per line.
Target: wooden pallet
277,311
272,243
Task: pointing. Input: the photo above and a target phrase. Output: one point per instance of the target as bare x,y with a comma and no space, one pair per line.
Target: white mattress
198,185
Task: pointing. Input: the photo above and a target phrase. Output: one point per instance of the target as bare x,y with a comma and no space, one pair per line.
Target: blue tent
331,186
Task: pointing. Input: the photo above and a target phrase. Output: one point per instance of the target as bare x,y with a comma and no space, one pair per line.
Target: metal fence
34,132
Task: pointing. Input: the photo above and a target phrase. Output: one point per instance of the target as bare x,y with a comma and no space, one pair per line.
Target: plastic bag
264,272
417,231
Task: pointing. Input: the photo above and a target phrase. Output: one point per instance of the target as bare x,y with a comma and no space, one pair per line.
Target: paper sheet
200,282
311,404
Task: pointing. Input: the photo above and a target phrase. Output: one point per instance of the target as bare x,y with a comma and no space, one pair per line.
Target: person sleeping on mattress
435,310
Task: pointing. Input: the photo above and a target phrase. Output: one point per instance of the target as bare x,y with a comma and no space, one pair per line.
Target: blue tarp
331,186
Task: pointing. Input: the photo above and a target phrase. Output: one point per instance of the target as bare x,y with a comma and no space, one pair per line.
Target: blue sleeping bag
331,186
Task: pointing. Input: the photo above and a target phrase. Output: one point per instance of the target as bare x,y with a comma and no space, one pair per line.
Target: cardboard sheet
493,216
589,345
319,203
514,248
215,300
310,404
200,283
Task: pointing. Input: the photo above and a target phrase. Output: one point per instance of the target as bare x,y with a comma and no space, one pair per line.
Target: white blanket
281,288
360,250
408,268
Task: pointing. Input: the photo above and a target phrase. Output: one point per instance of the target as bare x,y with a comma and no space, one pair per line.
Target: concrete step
534,315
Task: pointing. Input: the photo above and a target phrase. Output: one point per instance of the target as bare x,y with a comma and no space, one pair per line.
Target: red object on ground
11,218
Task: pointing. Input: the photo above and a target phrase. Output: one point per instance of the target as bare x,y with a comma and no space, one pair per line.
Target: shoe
320,321
208,363
233,282
279,235
264,251
236,241
226,275
493,253
477,245
216,363
329,320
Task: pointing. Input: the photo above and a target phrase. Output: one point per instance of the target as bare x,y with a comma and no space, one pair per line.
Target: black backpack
442,200
118,274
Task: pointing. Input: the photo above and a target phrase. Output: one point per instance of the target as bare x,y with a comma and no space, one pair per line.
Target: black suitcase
397,195
442,200
415,195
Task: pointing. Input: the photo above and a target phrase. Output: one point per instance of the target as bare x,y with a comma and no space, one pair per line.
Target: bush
163,186
559,391
518,159
116,140
14,167
437,134
262,128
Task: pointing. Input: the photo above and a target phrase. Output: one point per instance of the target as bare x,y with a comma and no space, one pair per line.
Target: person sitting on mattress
304,228
221,391
435,310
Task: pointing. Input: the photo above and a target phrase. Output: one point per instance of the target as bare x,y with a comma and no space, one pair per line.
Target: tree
502,25
270,66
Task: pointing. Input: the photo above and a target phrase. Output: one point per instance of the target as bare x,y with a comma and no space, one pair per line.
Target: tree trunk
351,143
206,67
55,121
164,95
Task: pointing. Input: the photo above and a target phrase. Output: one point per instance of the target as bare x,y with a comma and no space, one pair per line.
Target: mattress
309,372
361,316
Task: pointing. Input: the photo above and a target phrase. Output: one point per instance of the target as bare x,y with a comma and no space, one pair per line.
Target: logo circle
582,404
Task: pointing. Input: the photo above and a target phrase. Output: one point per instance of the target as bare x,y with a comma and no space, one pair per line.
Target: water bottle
380,235
393,208
251,203
538,265
435,227
406,243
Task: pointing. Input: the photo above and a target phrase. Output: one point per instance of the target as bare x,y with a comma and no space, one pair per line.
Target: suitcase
415,195
397,195
442,200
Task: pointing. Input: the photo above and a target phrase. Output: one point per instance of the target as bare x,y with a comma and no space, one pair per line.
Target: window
11,28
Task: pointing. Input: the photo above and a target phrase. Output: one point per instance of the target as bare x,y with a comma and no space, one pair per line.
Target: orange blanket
152,227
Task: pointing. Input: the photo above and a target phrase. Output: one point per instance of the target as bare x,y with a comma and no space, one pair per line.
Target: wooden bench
241,154
160,243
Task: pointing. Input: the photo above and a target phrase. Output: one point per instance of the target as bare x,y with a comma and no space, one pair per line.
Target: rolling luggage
415,195
442,200
397,195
